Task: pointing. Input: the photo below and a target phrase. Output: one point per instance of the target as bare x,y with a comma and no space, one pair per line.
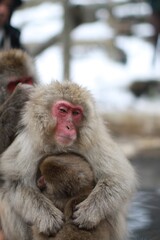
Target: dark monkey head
16,66
65,176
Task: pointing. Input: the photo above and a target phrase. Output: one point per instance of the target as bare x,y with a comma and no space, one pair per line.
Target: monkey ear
41,183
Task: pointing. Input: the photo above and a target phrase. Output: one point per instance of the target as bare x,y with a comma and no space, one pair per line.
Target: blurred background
113,48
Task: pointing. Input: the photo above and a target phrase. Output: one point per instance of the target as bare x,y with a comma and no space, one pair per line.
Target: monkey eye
63,110
76,112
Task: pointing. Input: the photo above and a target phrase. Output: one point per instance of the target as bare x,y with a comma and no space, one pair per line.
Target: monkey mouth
65,140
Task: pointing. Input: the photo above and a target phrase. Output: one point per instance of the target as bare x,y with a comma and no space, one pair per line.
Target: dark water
144,215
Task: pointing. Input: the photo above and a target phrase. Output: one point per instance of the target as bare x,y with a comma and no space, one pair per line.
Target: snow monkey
16,67
63,118
67,179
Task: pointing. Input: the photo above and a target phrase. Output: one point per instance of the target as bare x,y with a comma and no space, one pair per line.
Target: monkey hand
22,92
50,221
18,98
86,215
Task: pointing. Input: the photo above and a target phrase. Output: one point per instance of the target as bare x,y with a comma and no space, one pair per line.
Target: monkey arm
106,201
10,115
34,208
115,185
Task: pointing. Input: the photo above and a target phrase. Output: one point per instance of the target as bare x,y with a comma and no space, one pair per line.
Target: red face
69,118
12,85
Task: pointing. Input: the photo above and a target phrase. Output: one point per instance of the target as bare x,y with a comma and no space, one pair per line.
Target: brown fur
10,114
114,176
16,63
67,176
13,64
69,180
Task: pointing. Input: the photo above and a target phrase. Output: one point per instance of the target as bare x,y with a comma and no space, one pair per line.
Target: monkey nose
68,127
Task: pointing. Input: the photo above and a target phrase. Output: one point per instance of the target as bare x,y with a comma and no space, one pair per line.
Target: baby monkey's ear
41,183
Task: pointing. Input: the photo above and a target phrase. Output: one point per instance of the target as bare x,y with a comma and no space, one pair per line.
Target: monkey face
68,118
58,117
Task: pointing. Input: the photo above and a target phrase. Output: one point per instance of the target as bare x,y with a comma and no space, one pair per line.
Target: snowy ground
91,66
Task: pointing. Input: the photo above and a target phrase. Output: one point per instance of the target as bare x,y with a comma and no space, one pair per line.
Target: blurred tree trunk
66,39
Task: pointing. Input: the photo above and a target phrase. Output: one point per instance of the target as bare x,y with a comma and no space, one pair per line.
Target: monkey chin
65,141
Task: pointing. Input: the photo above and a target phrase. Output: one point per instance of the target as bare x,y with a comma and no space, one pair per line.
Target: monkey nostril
68,127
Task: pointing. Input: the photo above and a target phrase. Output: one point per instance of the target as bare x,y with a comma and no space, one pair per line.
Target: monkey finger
24,87
52,223
51,230
85,217
79,205
22,92
83,222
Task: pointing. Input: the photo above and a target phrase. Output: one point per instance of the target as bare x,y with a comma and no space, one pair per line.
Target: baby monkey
67,179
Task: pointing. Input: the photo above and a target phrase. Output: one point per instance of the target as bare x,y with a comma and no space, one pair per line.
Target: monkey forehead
46,95
71,92
75,94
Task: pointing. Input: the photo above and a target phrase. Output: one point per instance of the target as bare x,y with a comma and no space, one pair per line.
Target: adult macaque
16,67
66,180
62,117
